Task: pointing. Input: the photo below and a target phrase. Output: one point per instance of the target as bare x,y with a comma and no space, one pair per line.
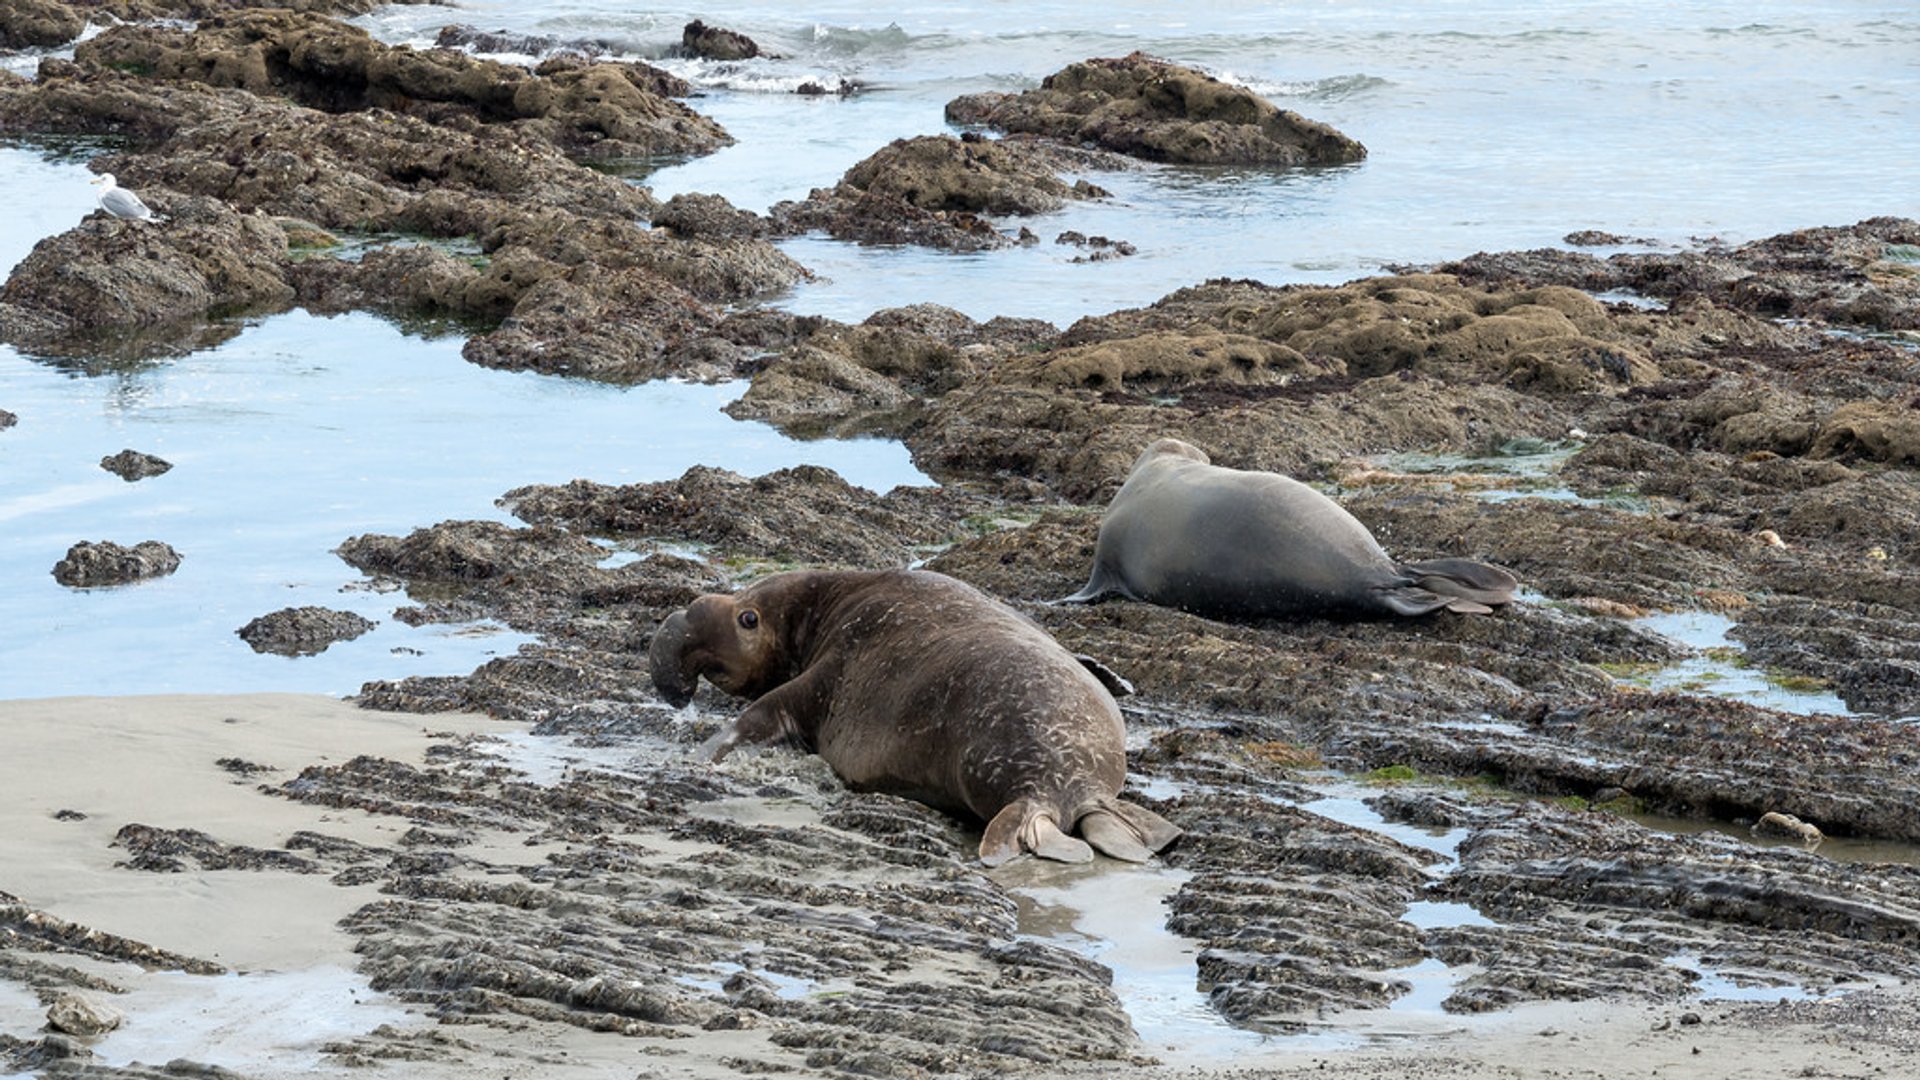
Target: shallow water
287,439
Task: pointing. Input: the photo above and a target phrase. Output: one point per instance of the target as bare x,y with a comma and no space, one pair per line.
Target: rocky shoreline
1732,429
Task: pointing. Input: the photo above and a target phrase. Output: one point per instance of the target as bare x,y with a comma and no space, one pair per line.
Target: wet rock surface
89,564
302,631
1152,109
113,274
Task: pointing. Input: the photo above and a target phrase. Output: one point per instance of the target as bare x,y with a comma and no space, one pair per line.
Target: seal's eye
749,619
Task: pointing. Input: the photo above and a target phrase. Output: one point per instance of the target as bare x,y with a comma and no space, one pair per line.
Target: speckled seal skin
913,683
1185,533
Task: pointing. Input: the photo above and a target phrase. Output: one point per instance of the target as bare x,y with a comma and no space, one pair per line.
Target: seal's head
727,638
1171,447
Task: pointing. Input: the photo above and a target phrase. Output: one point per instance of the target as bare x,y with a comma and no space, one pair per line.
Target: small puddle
1714,985
1347,805
264,1022
1717,667
1523,468
1116,914
1835,848
785,987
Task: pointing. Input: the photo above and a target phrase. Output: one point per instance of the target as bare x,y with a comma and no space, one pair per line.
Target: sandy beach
290,998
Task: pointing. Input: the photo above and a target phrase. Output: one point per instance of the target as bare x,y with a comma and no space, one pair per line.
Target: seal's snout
673,677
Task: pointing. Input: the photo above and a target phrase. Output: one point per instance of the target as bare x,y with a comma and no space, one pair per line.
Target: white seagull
122,203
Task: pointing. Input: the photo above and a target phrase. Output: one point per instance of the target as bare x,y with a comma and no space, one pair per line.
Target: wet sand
292,1002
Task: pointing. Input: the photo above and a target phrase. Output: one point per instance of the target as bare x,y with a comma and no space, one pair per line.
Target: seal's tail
1468,587
1118,829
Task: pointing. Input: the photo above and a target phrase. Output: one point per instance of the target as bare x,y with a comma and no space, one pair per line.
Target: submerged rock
132,465
1149,108
302,631
92,565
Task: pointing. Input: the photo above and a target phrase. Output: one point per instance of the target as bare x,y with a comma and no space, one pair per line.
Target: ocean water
1490,126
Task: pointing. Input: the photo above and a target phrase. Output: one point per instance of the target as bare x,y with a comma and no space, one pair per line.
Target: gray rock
131,465
302,631
91,565
76,1014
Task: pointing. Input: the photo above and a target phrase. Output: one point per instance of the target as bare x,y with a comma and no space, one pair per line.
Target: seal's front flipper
768,719
1124,831
1027,825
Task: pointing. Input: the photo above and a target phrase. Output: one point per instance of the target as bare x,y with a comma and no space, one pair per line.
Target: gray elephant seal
916,684
1185,533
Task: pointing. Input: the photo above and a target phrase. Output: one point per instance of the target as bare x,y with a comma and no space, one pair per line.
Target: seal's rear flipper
1470,587
1116,683
1100,583
1125,831
1027,825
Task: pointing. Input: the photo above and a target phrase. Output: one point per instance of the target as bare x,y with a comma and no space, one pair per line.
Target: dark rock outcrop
608,109
1152,109
113,274
716,43
937,190
29,24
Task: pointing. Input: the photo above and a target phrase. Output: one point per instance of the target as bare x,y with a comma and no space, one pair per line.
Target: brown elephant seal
1185,533
913,683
